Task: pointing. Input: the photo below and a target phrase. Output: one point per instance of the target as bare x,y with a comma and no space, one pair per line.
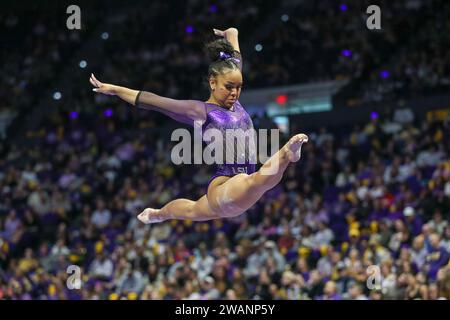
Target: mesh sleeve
175,116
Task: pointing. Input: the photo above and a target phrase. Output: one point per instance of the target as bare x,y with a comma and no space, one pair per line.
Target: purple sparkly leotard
230,121
239,149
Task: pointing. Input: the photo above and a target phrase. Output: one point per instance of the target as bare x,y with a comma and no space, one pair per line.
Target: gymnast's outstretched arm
185,111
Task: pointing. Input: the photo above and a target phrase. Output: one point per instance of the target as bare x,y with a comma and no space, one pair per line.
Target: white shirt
101,218
102,268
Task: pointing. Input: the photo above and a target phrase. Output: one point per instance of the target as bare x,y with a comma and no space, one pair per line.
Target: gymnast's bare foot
150,215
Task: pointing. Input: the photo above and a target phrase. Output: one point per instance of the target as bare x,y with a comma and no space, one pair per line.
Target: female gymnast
235,187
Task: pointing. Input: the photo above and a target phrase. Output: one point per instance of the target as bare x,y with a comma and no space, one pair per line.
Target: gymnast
235,187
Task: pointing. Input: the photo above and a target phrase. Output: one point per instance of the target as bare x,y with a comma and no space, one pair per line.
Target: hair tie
224,56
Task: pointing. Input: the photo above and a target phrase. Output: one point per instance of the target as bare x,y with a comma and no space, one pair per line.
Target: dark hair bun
220,45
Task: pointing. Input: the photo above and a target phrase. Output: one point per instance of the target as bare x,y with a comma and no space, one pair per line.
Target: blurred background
372,188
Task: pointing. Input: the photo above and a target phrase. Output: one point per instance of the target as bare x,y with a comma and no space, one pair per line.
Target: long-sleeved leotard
234,140
215,117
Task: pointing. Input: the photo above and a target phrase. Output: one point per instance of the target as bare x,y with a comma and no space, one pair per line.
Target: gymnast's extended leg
242,191
235,195
181,209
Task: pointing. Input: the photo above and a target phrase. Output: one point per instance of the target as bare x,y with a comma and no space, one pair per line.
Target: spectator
101,216
101,268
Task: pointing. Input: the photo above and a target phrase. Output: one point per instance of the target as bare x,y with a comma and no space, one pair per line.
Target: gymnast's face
226,87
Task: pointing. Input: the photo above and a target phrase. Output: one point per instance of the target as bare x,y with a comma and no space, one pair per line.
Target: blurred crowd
309,42
363,215
172,63
36,46
328,40
420,65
